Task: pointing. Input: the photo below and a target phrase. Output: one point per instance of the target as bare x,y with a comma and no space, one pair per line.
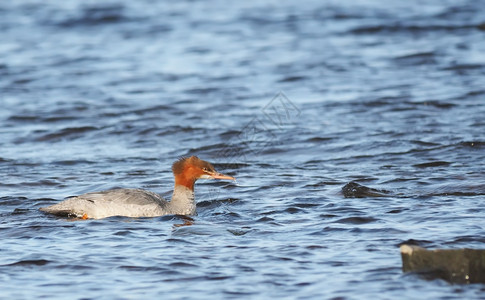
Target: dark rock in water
355,190
453,265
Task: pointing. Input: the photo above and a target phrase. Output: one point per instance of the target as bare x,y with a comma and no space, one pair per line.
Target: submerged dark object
453,265
355,190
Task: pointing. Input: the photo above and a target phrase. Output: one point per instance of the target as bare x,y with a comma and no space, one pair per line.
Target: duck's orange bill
216,175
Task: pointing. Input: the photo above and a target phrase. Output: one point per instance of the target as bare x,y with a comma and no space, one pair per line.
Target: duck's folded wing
123,196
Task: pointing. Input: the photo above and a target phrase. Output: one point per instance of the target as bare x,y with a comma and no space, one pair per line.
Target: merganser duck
138,202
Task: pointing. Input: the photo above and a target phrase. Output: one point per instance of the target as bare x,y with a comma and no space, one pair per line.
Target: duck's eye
205,169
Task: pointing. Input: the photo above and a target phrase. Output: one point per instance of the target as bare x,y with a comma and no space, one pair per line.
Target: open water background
294,98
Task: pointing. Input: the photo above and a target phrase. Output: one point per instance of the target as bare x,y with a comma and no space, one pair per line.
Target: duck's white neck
183,201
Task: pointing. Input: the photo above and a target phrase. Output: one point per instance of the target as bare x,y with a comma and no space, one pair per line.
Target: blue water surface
293,98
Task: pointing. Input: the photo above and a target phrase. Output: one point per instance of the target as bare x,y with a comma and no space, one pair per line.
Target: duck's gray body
125,202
